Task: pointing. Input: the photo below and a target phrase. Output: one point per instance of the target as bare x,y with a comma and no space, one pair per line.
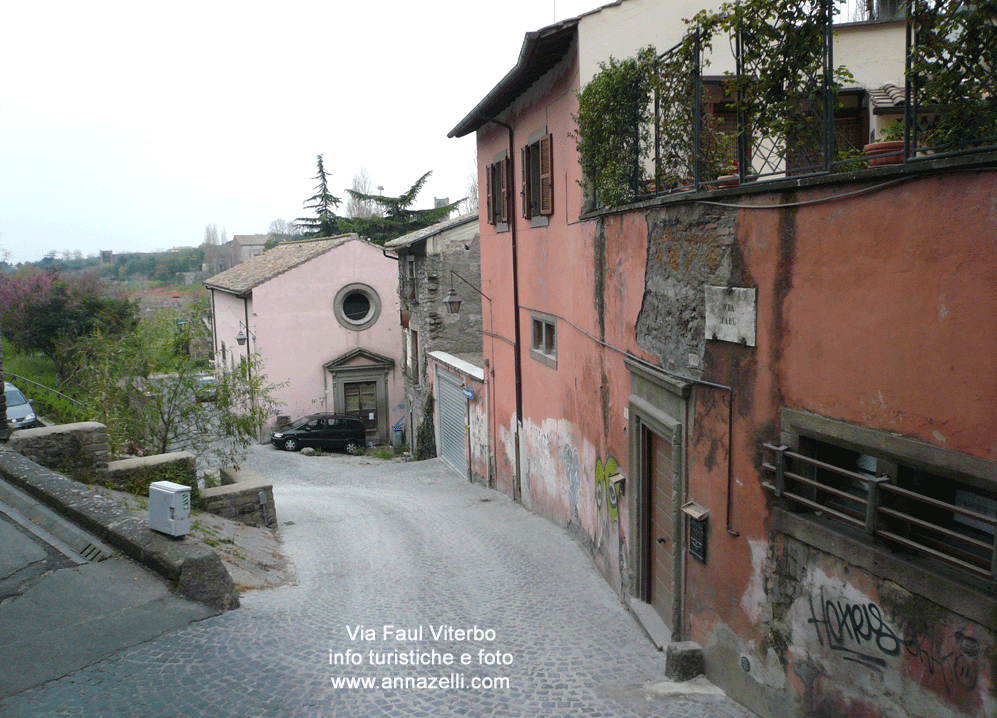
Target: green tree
153,390
323,203
397,215
52,316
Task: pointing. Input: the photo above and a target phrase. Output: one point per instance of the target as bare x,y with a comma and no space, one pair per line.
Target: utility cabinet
169,508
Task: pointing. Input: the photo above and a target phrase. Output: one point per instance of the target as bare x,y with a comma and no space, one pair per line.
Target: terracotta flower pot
874,151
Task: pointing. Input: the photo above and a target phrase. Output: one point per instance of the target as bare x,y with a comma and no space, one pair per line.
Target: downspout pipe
518,365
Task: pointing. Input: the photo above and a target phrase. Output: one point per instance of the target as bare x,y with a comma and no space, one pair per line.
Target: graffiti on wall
857,630
860,632
954,661
571,468
606,498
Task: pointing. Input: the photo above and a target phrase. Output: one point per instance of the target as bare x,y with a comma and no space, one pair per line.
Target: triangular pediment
360,358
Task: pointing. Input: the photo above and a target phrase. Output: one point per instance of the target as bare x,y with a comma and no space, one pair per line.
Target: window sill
550,361
968,596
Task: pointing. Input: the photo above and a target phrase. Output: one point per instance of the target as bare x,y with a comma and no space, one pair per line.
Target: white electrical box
169,508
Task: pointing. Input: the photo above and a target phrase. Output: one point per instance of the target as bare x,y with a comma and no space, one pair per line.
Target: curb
196,572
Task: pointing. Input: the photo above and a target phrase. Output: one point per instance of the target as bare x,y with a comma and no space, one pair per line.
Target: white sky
131,126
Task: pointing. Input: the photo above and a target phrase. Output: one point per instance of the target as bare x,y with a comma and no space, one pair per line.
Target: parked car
322,431
20,414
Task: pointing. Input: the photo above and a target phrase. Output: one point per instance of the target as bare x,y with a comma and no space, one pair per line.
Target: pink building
767,410
323,316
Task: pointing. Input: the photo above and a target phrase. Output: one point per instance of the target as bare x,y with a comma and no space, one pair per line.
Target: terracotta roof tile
411,238
242,278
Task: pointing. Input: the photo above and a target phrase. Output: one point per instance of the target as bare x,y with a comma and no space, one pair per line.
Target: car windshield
14,396
302,422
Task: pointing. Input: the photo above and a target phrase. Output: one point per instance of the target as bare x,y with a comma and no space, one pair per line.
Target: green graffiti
605,490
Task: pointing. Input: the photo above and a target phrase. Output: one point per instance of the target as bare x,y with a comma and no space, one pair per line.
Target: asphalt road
492,611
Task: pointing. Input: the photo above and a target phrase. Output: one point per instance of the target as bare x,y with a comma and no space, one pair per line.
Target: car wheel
290,444
351,447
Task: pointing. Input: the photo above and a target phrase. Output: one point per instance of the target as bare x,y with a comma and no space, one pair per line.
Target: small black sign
697,539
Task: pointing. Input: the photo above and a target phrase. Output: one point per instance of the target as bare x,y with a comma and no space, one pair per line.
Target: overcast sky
131,126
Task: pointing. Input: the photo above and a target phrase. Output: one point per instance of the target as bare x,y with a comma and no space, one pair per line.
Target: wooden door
661,534
361,402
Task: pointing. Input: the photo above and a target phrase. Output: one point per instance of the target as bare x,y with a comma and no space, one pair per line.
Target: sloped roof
541,51
250,239
886,99
242,278
407,240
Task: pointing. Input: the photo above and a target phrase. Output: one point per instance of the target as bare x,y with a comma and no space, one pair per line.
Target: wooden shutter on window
489,195
524,156
504,209
546,176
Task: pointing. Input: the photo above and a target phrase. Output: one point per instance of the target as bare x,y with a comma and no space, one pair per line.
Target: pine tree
398,216
323,203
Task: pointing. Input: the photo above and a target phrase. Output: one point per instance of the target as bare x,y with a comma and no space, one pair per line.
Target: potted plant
889,149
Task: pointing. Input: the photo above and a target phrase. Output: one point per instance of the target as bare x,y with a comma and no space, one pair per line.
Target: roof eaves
542,50
407,240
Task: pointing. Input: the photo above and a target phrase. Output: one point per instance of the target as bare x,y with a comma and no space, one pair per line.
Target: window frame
373,313
895,455
543,348
498,198
537,188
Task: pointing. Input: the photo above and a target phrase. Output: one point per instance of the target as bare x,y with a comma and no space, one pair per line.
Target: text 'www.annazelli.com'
451,682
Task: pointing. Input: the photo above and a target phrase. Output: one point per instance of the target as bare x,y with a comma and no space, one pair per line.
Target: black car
322,431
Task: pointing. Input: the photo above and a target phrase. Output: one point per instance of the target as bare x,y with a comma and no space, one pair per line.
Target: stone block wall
239,498
77,450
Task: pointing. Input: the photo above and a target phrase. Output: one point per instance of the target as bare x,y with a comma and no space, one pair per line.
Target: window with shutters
497,196
538,187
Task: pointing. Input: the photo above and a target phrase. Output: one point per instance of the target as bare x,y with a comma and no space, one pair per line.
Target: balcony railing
881,509
775,116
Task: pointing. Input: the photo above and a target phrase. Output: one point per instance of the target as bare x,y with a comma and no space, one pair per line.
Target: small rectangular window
543,345
415,357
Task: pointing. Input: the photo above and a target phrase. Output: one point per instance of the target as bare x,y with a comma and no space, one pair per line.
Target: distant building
321,315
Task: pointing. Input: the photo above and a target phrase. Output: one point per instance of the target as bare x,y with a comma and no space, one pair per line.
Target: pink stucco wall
296,331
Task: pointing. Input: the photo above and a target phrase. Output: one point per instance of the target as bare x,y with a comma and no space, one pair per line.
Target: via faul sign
731,313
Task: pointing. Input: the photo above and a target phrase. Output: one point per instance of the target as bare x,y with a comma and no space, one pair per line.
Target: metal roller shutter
453,420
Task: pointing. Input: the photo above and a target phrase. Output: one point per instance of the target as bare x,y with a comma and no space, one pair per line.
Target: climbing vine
614,128
426,436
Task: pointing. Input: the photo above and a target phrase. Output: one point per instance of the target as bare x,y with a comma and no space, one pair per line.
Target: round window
357,306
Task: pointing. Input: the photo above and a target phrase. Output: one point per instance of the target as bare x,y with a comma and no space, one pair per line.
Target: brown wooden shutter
489,195
524,156
505,190
546,176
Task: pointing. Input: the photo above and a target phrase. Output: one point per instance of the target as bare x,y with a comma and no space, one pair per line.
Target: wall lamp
241,337
452,300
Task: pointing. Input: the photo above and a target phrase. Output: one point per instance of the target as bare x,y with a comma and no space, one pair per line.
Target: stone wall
78,450
239,498
178,466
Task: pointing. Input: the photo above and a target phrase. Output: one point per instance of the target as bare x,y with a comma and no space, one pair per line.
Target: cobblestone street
407,545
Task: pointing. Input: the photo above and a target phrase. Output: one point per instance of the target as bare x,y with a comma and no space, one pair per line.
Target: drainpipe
517,487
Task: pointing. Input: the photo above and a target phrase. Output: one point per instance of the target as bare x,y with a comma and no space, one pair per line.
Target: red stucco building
767,410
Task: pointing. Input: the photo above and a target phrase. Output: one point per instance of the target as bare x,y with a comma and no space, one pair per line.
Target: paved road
410,546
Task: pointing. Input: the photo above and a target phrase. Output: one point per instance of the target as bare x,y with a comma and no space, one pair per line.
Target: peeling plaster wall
855,322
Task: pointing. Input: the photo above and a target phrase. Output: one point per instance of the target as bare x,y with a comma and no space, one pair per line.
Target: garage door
453,421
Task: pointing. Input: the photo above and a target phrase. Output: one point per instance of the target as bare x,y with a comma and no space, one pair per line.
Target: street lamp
241,337
452,300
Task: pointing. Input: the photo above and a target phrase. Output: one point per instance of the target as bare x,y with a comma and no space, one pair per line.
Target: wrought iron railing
785,91
883,510
951,93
